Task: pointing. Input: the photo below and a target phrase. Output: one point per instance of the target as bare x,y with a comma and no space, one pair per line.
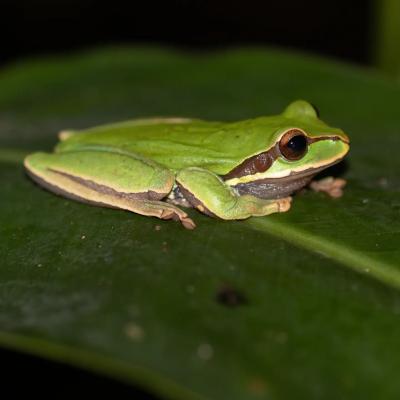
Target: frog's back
173,142
180,143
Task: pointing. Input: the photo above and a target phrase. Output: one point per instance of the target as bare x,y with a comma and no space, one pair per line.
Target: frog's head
298,145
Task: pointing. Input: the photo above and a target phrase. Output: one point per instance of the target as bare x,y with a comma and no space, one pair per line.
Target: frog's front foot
330,185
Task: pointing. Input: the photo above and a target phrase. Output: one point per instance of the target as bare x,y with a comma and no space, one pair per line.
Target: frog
228,170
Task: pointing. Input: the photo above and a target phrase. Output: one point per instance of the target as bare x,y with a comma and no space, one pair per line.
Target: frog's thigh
209,193
107,179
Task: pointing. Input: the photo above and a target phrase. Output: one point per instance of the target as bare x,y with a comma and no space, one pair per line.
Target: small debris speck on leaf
134,331
190,289
205,351
230,297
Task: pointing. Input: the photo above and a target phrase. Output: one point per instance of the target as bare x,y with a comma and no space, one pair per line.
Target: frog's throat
251,165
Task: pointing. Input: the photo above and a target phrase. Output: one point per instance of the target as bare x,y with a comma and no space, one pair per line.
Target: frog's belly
273,188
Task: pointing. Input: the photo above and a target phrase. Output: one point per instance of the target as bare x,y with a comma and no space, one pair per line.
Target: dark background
340,28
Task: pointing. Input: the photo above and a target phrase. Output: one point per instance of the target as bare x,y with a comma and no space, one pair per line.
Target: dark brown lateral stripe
60,192
149,195
262,161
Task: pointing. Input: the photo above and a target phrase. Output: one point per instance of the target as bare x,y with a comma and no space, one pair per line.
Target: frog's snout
345,138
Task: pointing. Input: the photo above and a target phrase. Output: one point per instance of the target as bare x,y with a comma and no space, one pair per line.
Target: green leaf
299,305
387,36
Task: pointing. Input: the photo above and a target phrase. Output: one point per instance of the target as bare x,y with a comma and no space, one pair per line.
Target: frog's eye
293,145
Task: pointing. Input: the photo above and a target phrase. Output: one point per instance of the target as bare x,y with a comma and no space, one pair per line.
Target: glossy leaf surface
272,307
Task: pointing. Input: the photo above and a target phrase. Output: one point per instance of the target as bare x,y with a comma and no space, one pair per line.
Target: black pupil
297,144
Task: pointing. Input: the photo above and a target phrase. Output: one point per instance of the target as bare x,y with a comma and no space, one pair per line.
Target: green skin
150,166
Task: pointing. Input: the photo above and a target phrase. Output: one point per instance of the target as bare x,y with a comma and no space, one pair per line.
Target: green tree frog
229,170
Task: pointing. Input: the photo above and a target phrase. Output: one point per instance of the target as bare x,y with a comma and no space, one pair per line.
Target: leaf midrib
348,257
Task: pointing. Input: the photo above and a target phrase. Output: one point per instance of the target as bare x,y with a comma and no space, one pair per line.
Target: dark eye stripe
261,162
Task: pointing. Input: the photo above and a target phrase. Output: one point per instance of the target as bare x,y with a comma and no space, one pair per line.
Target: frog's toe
331,186
284,204
178,215
188,223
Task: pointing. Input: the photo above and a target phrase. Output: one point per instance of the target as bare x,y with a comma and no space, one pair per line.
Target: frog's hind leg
108,179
